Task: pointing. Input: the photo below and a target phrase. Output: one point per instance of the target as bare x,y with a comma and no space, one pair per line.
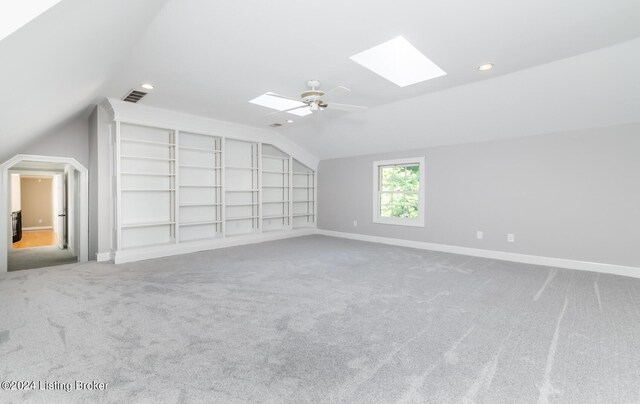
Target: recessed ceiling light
147,86
486,66
399,62
17,13
281,104
289,120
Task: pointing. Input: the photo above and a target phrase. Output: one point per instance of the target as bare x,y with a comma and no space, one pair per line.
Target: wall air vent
275,125
134,96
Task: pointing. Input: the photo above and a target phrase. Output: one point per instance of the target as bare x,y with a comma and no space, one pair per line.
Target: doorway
39,219
47,203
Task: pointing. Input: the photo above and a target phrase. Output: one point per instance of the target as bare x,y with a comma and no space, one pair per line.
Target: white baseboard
621,270
105,256
125,256
37,228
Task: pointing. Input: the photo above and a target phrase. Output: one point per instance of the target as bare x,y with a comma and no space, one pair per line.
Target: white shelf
147,158
240,168
147,224
148,174
200,149
200,223
199,167
275,217
149,190
159,155
269,156
241,218
129,140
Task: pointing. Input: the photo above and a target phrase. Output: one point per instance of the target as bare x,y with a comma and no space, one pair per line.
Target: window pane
386,178
401,205
400,178
411,177
386,205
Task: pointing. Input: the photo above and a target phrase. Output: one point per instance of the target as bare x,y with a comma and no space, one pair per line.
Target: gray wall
86,140
93,180
573,195
99,185
67,140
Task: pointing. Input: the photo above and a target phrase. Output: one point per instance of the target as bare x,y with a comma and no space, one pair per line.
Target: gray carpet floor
319,319
38,257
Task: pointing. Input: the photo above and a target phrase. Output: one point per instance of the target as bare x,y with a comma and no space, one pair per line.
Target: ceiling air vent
134,96
275,125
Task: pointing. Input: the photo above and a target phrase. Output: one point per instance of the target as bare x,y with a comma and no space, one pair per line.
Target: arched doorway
79,192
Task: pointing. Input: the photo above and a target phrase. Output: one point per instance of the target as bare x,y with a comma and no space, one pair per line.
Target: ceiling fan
316,100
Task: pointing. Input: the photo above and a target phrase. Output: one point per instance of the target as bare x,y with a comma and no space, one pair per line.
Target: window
398,196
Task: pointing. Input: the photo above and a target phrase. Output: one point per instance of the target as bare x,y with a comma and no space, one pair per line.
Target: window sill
399,222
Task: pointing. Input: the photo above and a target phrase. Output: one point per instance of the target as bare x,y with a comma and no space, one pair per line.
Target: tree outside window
398,192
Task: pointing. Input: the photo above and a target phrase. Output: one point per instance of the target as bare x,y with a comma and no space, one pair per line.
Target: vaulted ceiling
559,66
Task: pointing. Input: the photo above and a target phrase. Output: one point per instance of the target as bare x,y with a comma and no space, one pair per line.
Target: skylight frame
398,61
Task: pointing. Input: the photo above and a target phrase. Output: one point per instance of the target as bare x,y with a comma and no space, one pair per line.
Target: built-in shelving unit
200,190
147,186
242,185
303,193
180,188
276,189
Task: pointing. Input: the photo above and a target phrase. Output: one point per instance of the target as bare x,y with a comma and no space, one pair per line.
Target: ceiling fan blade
283,96
346,107
286,110
336,91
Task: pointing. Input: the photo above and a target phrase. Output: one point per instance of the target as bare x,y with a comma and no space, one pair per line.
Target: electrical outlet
355,223
479,235
511,238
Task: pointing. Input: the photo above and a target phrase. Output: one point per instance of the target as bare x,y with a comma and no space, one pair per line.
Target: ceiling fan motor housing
311,96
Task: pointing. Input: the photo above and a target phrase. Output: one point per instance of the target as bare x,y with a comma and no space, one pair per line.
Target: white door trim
5,228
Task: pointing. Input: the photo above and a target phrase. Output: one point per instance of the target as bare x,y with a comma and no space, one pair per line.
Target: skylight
399,62
16,13
281,104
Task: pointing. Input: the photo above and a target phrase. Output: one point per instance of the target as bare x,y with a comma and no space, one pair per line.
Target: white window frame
417,222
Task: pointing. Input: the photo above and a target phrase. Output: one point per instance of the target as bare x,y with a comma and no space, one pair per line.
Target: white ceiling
54,67
211,57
